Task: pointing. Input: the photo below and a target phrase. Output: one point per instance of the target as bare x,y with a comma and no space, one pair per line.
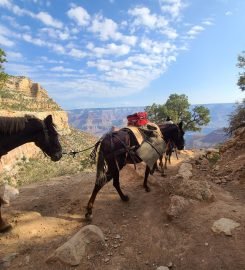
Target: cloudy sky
108,53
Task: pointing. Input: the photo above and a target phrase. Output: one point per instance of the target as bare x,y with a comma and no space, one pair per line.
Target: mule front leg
145,185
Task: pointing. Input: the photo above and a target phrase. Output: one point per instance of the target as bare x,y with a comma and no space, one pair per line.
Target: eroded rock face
21,93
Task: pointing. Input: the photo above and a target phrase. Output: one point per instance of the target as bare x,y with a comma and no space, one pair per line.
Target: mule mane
12,125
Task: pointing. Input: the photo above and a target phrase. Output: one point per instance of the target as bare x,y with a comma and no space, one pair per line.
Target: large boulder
74,250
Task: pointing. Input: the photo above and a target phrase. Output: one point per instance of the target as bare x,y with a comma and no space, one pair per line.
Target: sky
117,53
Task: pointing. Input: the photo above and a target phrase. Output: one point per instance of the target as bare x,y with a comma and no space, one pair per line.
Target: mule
16,131
173,141
116,150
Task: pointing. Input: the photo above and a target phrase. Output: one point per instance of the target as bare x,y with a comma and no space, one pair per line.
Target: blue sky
108,53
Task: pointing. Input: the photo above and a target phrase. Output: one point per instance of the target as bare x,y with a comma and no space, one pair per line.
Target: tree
241,64
156,112
237,118
3,75
177,107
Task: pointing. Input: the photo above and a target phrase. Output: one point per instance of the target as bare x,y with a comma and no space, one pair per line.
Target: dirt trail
138,233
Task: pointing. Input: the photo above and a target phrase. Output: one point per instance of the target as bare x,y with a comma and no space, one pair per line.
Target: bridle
45,131
46,136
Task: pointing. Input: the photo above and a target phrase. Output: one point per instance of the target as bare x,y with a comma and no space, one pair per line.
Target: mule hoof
147,189
163,175
5,227
88,216
125,198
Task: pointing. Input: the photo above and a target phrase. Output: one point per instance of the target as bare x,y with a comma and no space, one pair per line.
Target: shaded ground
138,233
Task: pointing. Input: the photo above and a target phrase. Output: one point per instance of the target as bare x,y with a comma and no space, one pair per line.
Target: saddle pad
137,134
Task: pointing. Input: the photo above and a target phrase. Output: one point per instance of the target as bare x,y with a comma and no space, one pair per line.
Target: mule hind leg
115,168
97,188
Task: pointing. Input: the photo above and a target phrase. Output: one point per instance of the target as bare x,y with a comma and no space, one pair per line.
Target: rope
73,153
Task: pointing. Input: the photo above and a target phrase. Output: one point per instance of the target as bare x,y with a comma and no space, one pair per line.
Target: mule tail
101,166
101,169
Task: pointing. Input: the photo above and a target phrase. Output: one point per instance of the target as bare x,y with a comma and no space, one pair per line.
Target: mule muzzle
56,157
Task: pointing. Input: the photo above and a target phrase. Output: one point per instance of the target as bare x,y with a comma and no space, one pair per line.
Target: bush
236,119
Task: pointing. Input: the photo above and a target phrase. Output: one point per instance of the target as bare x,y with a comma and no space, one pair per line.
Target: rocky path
138,233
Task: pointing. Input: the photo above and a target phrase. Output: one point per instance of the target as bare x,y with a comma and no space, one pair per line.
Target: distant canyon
98,121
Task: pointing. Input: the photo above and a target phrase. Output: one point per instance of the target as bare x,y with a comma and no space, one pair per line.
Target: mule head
48,139
180,142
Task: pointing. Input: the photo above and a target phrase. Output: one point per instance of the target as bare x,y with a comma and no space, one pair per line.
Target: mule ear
48,120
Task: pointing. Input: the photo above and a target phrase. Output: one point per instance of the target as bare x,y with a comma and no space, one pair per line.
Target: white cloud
5,31
62,69
143,17
57,48
79,15
45,59
172,7
6,37
39,42
106,65
5,3
6,42
109,49
13,8
77,53
44,17
157,47
195,30
56,33
208,22
108,29
171,33
228,13
35,41
48,20
14,55
16,26
22,70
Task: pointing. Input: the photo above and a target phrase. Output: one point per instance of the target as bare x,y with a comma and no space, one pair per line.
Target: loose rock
224,225
74,249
